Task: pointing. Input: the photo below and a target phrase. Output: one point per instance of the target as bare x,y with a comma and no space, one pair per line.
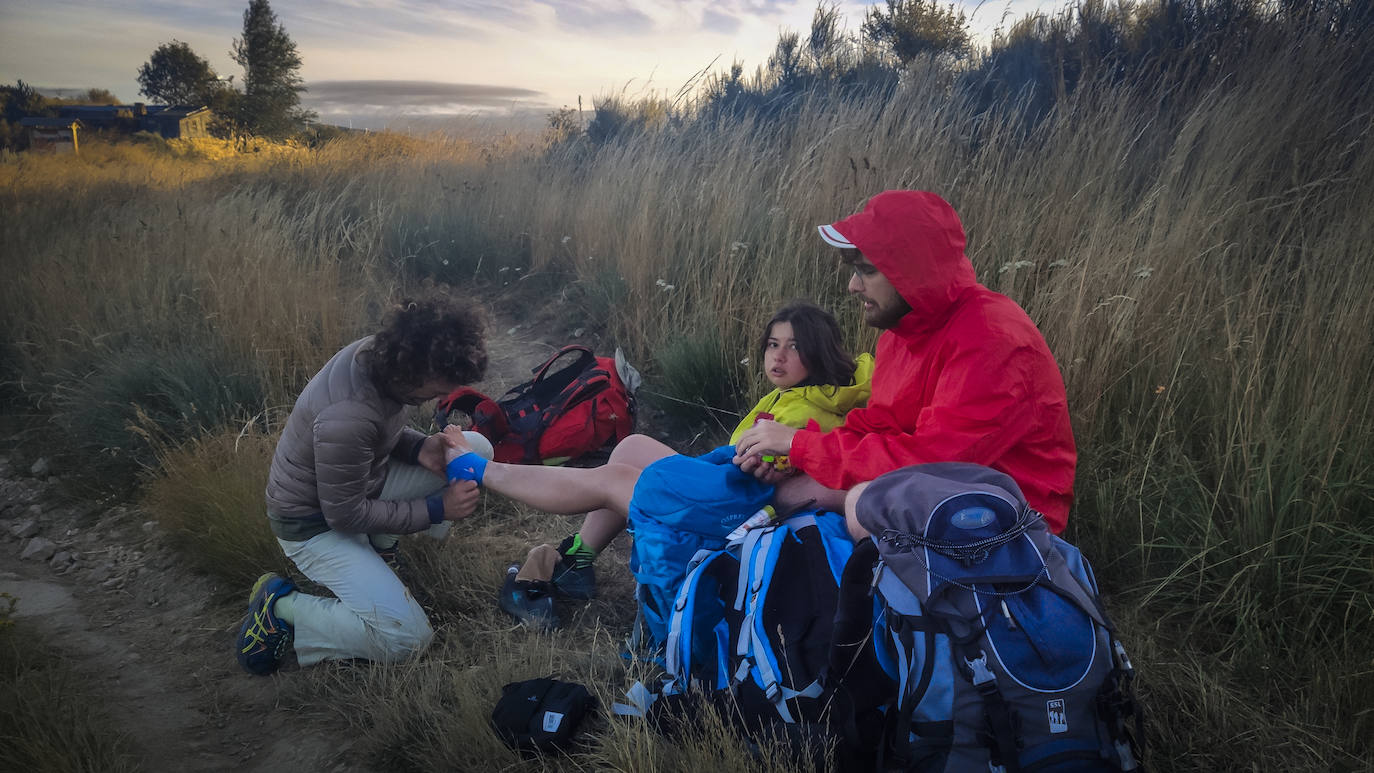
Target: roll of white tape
479,443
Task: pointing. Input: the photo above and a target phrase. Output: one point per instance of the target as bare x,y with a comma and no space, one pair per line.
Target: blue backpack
991,628
683,505
755,618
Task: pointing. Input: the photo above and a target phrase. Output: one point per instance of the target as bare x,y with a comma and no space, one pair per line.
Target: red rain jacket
965,376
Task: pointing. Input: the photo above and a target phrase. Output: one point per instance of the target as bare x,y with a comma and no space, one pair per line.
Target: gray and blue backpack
970,638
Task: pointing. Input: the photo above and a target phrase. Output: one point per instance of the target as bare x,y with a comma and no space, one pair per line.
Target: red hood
916,240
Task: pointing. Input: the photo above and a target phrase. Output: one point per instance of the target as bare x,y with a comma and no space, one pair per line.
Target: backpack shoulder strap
681,633
757,657
585,359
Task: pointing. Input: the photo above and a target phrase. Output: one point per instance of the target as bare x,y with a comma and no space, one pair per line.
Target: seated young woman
814,379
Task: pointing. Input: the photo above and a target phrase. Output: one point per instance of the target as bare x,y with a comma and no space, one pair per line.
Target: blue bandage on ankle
469,466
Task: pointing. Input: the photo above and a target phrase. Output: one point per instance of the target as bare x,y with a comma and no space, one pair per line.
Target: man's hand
432,451
764,438
460,499
764,471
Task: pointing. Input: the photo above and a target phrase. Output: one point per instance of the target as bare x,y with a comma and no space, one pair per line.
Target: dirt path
154,639
150,637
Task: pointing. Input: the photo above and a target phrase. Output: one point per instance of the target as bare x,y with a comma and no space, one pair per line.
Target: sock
580,554
284,608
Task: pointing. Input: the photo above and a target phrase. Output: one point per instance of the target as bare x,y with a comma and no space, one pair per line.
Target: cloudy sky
425,56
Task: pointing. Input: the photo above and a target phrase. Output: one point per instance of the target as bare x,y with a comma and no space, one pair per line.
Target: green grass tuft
124,402
208,496
698,383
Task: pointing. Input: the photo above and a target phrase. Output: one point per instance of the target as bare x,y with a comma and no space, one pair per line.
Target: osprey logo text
1059,721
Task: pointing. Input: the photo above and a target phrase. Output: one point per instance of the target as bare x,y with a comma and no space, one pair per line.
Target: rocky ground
152,639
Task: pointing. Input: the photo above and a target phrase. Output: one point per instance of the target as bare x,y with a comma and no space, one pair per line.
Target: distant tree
21,100
176,75
565,126
270,104
785,64
87,97
826,37
100,97
17,102
909,28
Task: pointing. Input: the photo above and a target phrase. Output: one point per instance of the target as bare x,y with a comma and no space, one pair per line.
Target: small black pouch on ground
541,714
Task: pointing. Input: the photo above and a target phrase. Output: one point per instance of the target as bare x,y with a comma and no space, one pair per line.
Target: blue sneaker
264,639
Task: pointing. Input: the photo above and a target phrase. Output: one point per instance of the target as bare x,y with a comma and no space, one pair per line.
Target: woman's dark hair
429,336
819,343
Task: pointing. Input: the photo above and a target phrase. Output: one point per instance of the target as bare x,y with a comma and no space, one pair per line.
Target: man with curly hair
349,475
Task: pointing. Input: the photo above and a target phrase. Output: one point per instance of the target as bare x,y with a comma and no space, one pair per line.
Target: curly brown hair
429,336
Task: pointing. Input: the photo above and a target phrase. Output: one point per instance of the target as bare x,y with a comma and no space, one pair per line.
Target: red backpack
556,416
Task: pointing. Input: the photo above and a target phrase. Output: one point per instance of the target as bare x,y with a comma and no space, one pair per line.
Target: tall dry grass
1202,270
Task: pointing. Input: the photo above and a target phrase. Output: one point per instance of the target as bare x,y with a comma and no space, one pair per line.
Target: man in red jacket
962,372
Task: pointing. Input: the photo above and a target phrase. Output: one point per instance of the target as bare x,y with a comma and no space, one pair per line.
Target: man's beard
886,318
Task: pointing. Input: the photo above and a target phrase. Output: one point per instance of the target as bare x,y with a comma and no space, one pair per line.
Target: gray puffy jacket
332,457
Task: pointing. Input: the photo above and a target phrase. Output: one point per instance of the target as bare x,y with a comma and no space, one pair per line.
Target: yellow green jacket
826,403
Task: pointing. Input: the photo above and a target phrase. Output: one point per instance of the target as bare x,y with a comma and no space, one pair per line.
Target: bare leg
564,490
801,490
602,492
603,524
851,516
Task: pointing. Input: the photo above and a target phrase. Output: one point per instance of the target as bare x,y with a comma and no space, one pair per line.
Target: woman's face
782,363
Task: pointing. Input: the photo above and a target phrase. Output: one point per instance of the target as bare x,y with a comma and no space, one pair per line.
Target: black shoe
529,603
573,578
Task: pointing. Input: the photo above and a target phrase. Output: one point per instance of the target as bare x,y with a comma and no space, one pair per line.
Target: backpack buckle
877,575
1123,661
983,678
